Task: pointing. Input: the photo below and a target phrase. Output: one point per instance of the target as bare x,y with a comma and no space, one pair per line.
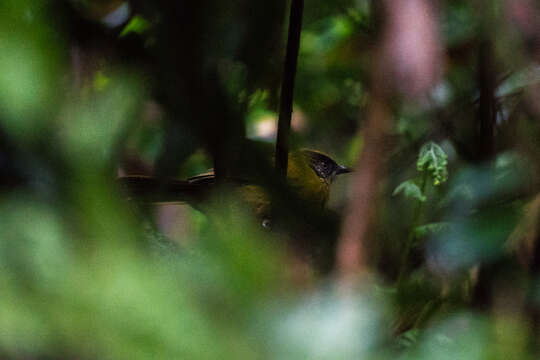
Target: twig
487,109
287,86
485,138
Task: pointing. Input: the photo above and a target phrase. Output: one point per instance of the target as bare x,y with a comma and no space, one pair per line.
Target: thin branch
287,86
487,110
412,236
485,139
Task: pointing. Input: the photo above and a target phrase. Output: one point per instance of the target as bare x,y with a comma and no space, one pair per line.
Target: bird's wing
207,177
154,190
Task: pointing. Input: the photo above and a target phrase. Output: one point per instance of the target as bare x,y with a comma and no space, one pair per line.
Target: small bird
309,175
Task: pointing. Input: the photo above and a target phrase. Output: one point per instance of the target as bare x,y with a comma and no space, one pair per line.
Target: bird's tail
154,190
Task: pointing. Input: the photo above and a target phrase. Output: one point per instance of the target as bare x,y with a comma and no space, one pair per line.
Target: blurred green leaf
430,229
33,241
410,190
462,336
92,126
29,63
478,237
137,24
408,338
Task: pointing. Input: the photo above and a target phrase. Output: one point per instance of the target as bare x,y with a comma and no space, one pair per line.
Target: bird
310,174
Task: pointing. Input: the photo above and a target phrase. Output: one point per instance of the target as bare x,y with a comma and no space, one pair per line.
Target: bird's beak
343,170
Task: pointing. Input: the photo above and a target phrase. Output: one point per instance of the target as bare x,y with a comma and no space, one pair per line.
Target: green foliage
426,230
463,336
137,25
97,122
29,62
409,338
410,190
433,160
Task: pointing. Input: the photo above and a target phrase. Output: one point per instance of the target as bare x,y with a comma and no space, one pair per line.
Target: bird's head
324,166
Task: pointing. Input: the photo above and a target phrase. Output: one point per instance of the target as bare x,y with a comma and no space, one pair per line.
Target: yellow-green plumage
305,181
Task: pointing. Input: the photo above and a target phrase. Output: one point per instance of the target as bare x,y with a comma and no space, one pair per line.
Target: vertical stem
411,237
485,140
287,86
487,110
532,308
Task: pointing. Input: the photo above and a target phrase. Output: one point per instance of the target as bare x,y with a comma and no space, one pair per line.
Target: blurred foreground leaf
29,63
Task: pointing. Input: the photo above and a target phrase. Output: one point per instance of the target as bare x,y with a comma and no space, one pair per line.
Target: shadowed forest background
430,249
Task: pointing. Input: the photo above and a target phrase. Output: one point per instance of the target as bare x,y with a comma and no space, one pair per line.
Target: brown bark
351,253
